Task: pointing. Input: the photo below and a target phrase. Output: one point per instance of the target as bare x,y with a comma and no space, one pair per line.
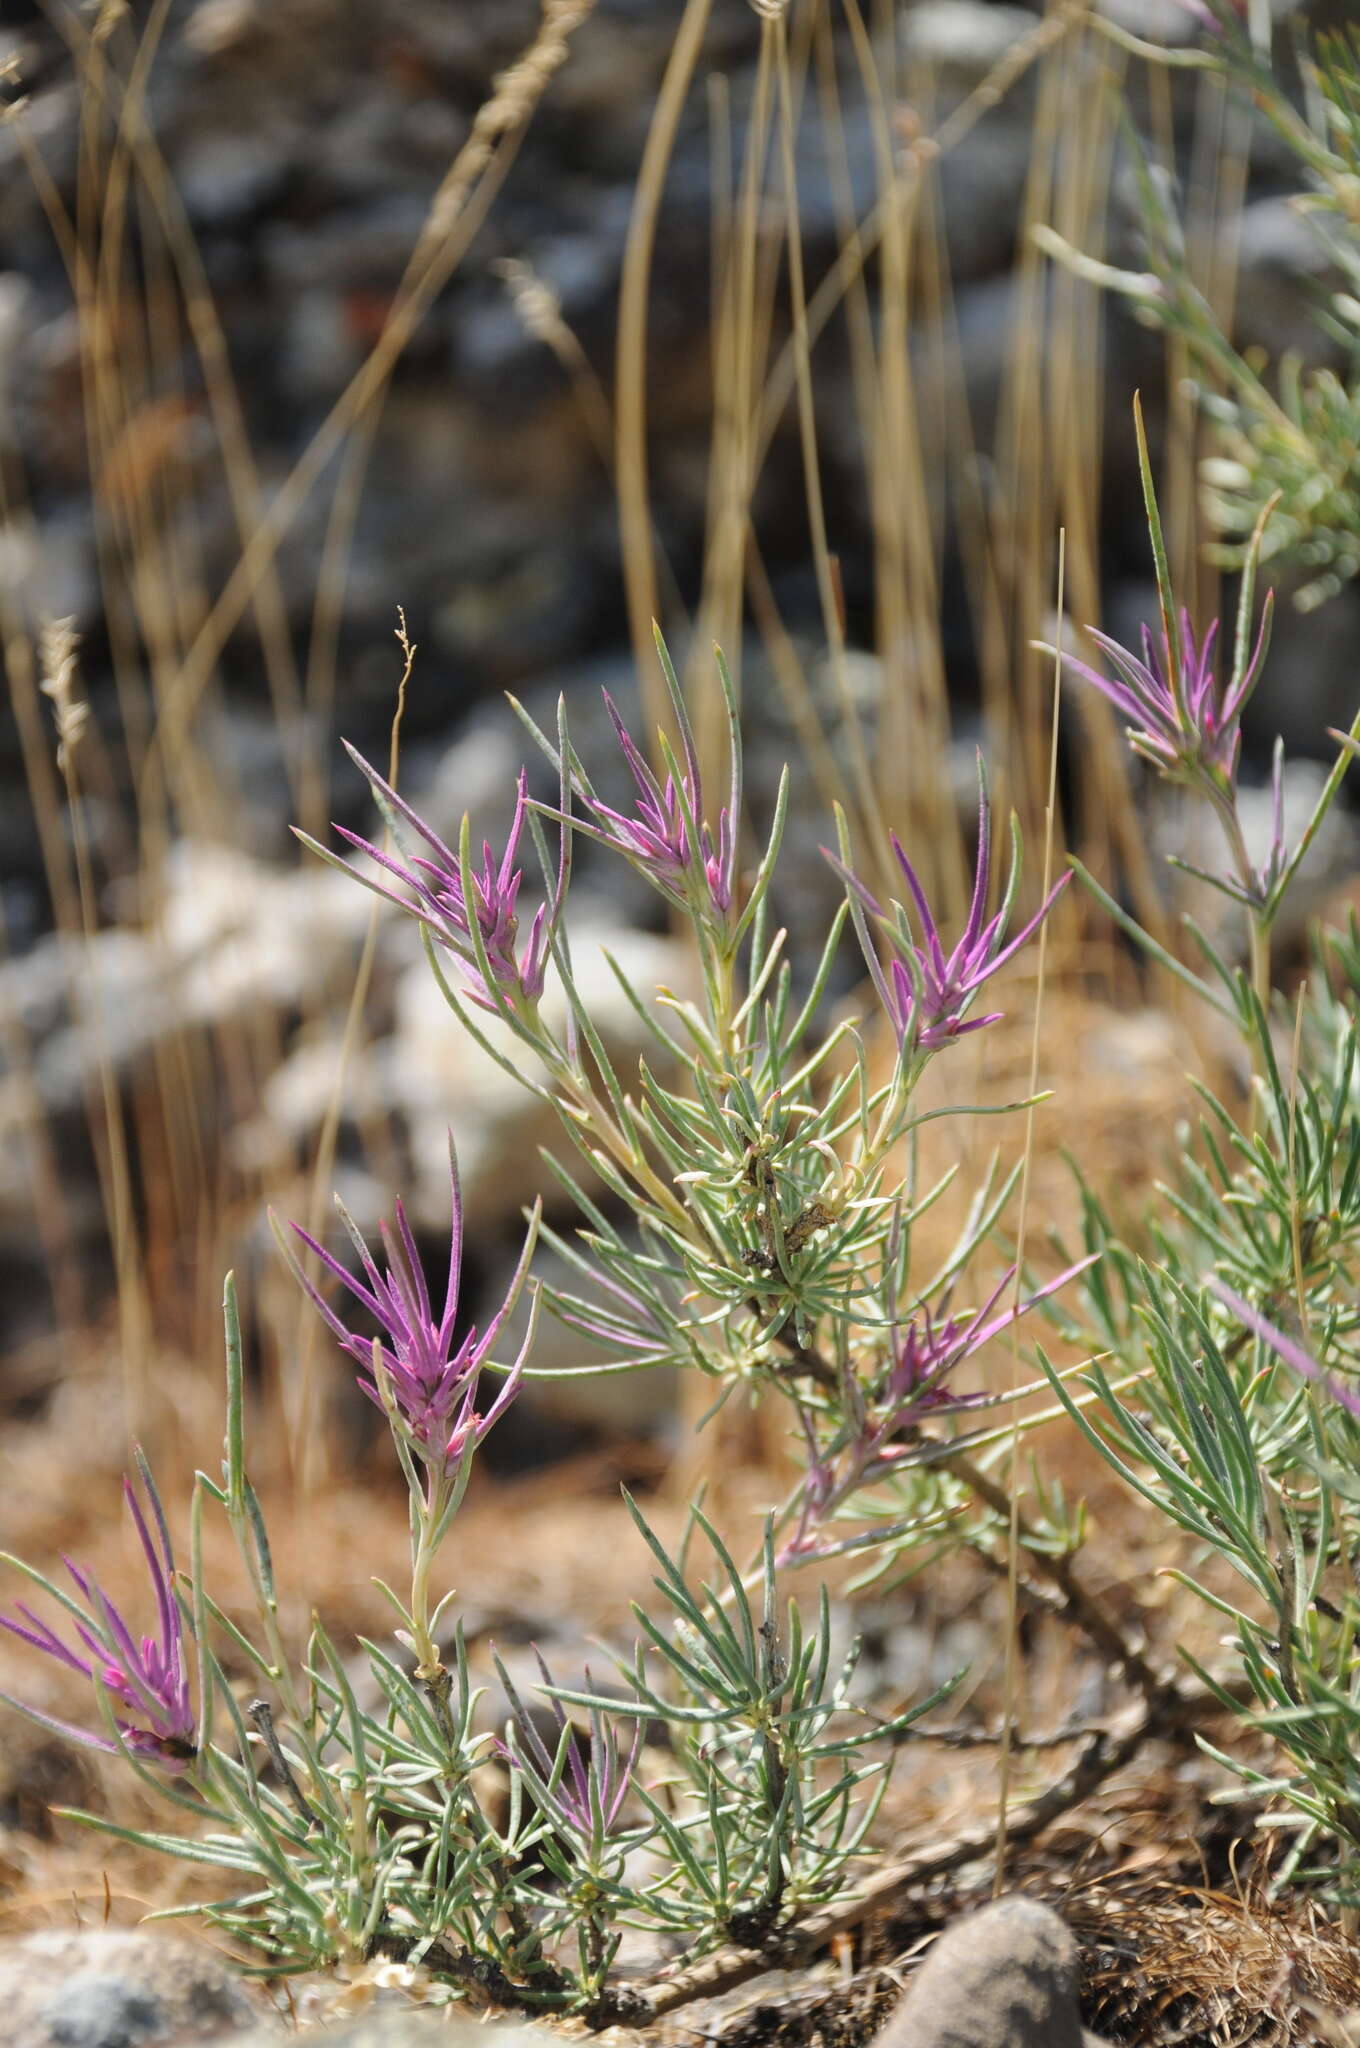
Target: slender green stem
429,1519
1258,918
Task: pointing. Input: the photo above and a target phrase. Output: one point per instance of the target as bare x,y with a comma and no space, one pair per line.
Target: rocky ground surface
1003,1977
1006,1974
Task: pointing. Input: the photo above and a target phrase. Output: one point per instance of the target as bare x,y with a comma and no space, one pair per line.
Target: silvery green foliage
1286,432
1239,1317
1226,1337
727,1781
757,1156
358,1829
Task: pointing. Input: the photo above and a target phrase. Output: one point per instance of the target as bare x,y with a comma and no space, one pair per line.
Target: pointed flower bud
452,898
926,992
431,1376
584,1790
1178,716
667,837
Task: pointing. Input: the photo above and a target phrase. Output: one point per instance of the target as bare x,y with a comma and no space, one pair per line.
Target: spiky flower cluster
909,1389
1180,717
667,838
1189,726
471,912
585,1789
420,1370
927,993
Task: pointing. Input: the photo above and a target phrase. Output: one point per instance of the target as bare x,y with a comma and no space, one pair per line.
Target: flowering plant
1225,1338
417,1374
472,915
926,995
757,1154
764,1157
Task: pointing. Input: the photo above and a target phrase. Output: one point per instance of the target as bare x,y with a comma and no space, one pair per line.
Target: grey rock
225,175
109,1988
1003,1977
222,947
320,351
364,245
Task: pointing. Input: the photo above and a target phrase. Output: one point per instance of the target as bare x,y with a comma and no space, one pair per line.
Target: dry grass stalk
58,645
132,324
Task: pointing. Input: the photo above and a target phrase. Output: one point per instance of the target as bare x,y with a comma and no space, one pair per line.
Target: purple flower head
926,1352
591,1789
923,1353
147,1681
432,1381
926,992
440,900
666,837
1178,716
924,1356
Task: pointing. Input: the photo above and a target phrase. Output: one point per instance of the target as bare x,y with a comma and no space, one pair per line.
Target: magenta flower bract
1178,717
926,992
437,897
657,837
433,1381
147,1681
923,1354
926,1353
